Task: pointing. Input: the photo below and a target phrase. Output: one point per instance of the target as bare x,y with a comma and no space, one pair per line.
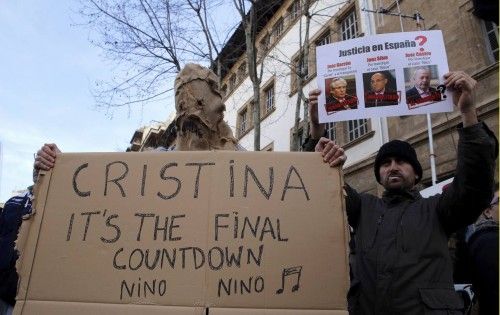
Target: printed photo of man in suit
422,93
380,89
337,98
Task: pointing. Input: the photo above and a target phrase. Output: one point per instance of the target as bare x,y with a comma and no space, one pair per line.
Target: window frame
279,28
357,128
349,25
242,71
491,28
326,35
267,99
232,81
330,130
264,45
243,122
294,10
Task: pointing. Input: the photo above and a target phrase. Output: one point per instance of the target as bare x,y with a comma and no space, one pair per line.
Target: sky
47,68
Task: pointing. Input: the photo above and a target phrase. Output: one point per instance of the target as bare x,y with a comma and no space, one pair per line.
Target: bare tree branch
149,41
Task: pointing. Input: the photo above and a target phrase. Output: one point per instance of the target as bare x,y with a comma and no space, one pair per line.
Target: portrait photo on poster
422,86
381,89
340,94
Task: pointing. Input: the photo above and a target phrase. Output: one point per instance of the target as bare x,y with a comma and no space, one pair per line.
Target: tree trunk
303,65
250,25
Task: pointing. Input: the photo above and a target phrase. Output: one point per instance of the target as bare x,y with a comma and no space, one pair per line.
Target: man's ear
488,213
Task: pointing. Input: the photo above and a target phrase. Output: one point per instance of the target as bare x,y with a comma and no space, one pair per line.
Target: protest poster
179,232
392,74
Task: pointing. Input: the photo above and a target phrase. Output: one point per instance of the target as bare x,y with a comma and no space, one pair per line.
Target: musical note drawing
297,270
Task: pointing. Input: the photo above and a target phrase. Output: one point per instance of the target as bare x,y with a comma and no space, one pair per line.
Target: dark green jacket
402,263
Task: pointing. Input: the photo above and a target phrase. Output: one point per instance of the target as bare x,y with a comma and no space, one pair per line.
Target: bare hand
46,157
317,129
313,105
332,153
462,86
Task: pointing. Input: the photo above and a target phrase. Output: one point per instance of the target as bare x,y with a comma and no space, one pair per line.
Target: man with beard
422,93
402,263
338,98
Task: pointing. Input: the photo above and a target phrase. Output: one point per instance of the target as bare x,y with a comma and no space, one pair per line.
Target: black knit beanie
402,150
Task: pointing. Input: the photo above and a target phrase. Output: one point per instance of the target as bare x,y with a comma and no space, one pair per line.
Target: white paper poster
383,75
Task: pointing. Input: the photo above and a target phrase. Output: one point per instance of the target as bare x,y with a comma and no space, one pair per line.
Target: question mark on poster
441,88
422,40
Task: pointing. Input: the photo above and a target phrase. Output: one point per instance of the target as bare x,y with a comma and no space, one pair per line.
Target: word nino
377,47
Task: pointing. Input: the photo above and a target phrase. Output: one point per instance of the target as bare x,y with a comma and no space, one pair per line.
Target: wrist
469,117
317,130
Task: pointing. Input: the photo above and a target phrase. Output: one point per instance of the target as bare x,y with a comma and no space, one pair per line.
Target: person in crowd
338,99
380,94
481,241
422,93
11,218
402,262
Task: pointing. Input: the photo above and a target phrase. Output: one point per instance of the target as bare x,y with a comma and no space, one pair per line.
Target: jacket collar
394,197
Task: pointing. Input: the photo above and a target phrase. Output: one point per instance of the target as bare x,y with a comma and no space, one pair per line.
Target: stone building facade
151,137
472,46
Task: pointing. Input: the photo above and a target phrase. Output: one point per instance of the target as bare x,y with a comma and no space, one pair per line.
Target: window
492,38
265,42
348,26
264,45
324,39
357,128
242,122
278,28
232,81
330,131
294,10
300,69
242,71
269,98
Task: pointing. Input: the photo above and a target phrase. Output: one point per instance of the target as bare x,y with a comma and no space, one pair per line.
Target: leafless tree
149,41
249,23
301,70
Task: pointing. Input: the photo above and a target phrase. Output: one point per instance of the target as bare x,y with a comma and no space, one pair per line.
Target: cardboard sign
178,232
384,75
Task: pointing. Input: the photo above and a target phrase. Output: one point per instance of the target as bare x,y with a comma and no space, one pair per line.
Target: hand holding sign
462,86
317,129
